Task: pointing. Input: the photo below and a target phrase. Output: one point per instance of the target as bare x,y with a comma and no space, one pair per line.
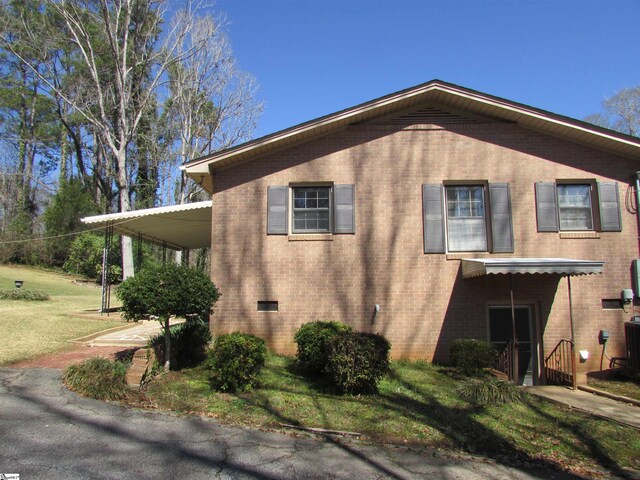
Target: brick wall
424,301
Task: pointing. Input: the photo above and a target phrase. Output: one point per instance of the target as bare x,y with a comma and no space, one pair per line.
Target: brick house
419,215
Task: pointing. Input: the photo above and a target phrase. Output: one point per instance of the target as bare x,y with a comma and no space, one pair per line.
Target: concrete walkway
133,335
590,403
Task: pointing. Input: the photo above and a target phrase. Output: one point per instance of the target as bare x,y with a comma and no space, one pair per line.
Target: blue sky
312,58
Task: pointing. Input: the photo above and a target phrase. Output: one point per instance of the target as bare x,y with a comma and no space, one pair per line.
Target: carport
178,227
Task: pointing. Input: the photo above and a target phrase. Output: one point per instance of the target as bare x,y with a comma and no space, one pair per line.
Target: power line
63,235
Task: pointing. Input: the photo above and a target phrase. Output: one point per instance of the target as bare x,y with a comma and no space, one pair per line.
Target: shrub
313,343
167,290
235,361
24,294
472,356
97,378
357,360
189,343
489,391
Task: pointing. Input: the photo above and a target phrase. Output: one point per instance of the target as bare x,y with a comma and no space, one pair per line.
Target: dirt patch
61,360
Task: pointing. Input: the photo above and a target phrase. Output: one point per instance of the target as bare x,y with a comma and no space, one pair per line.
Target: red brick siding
424,301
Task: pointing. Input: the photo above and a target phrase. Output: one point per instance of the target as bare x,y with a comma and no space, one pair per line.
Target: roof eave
437,91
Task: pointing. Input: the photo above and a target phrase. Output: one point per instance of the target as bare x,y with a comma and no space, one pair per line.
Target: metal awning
175,226
566,267
476,267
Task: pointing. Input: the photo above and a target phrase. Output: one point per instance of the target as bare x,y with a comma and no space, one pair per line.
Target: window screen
466,225
311,209
574,207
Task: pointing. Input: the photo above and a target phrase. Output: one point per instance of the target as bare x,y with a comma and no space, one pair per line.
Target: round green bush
472,356
165,290
356,361
313,343
235,361
97,378
189,342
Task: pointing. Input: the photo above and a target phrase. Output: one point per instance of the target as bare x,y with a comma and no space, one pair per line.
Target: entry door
501,331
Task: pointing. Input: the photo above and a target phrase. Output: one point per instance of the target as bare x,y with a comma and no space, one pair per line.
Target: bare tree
125,32
620,112
211,102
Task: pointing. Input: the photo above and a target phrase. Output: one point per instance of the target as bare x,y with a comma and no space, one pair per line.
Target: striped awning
477,267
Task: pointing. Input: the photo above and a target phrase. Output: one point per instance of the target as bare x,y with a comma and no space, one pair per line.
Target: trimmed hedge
356,361
235,361
189,342
97,378
313,341
24,294
472,356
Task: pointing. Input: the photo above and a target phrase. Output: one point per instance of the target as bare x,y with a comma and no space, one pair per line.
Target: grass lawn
618,385
416,405
31,328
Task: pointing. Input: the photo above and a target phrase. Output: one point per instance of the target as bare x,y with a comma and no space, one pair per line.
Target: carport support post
106,265
574,381
515,359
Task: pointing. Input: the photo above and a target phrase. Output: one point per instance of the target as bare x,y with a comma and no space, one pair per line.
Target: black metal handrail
505,360
559,366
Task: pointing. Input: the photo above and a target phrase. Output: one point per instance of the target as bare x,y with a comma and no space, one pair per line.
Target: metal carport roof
175,226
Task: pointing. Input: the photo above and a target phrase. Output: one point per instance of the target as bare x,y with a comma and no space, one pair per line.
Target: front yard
33,328
417,405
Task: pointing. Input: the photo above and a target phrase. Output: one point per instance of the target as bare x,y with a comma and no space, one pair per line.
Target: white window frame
560,186
484,217
293,209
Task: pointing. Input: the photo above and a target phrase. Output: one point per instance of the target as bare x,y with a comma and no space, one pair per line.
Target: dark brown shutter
547,207
434,241
277,210
608,198
344,212
501,223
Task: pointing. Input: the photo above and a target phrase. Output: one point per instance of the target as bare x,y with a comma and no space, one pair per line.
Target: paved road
48,432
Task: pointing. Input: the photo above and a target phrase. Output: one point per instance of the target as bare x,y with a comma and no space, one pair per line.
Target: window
574,207
299,209
467,218
311,209
466,225
578,205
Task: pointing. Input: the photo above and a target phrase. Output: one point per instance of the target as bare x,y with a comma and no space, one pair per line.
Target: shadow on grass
456,422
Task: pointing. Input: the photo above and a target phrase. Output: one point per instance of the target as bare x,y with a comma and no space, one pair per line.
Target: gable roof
434,92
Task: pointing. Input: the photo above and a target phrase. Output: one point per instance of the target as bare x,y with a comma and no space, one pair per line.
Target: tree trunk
125,206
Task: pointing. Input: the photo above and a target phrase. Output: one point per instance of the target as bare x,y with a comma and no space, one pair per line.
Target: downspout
638,205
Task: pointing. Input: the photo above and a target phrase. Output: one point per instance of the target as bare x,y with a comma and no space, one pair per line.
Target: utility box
632,335
635,268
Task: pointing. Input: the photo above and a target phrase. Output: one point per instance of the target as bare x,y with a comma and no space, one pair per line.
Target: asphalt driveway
48,432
